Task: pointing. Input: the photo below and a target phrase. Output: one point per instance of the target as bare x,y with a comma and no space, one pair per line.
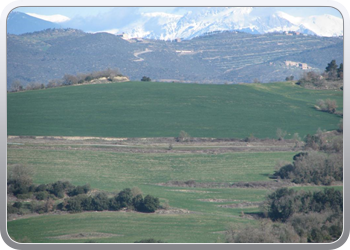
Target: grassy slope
157,109
114,171
137,109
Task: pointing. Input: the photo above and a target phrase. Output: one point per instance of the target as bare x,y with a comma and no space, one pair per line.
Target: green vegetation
224,57
201,186
135,109
299,217
331,78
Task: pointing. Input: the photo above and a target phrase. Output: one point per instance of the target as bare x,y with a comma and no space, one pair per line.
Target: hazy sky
92,11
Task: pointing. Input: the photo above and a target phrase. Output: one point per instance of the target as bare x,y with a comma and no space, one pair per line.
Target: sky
93,11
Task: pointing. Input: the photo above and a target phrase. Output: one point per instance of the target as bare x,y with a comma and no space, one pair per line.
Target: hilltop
231,57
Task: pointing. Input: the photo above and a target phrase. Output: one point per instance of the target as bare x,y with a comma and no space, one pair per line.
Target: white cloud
52,18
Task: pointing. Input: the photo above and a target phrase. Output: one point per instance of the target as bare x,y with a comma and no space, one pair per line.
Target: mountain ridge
194,22
219,57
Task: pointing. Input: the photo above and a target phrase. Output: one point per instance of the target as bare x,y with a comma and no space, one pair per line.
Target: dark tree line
77,198
295,217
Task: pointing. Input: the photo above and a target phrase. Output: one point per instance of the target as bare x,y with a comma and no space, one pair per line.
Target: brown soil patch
150,145
273,184
245,204
216,200
90,235
174,211
190,191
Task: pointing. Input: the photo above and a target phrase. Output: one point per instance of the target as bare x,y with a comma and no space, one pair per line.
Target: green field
136,109
112,171
152,109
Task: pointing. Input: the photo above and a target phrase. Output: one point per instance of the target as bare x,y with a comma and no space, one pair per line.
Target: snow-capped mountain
198,21
190,22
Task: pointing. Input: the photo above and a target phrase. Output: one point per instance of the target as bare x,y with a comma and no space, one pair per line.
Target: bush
265,232
74,205
138,203
11,209
79,190
151,240
17,204
42,195
100,202
25,196
284,202
150,204
114,204
327,105
145,79
313,168
125,197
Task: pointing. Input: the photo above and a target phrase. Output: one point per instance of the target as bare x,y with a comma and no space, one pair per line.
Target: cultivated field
147,117
138,109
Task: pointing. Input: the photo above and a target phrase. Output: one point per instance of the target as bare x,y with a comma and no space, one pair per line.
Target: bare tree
280,134
16,86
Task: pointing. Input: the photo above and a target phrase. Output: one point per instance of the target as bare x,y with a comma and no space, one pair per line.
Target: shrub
40,188
74,205
125,197
284,202
265,232
100,202
150,240
138,203
150,204
114,204
11,209
183,136
145,79
79,190
17,204
327,105
25,196
41,195
313,168
280,134
86,203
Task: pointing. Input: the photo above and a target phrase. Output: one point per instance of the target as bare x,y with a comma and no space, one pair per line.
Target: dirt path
136,54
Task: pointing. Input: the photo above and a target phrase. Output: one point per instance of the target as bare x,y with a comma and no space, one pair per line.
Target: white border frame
71,3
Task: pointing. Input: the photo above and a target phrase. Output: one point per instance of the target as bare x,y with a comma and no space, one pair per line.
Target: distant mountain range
195,22
19,23
222,57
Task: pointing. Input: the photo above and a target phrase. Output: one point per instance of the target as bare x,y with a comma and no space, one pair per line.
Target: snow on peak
198,21
52,18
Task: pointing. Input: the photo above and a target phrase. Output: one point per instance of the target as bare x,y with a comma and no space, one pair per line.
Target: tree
125,197
70,79
100,202
280,134
331,70
150,204
16,86
340,71
289,78
183,136
21,174
327,105
146,79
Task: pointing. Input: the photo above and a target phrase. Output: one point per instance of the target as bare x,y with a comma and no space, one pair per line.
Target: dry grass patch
91,235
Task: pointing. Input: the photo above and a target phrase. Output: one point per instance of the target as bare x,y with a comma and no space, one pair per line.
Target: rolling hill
153,109
230,57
